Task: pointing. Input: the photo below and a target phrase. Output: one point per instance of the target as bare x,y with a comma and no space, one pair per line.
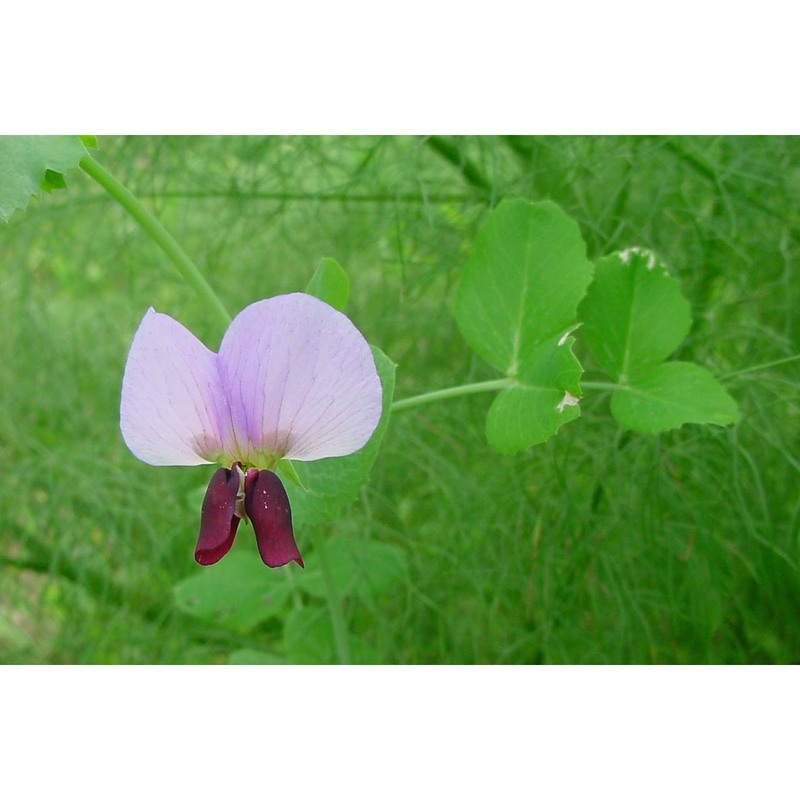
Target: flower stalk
453,391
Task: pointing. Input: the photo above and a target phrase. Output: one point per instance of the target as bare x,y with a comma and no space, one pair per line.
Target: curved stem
158,233
338,622
453,391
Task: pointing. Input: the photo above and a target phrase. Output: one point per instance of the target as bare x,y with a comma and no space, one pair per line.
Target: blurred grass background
597,547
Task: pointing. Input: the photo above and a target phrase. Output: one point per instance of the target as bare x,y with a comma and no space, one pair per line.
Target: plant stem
453,391
758,367
338,622
158,233
476,388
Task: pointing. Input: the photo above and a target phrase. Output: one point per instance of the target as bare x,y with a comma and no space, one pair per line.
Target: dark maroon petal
218,520
268,508
249,479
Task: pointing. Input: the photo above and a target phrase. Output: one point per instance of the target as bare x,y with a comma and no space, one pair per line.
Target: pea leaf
29,164
330,283
669,395
333,483
633,314
531,412
238,592
360,567
515,304
633,317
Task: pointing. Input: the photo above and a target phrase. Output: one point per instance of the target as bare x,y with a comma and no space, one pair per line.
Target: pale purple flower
293,379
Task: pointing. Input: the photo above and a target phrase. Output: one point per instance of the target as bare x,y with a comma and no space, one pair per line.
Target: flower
293,379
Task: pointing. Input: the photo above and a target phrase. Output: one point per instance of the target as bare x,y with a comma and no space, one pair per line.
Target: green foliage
633,314
633,317
330,283
522,283
29,164
247,656
308,638
516,302
357,567
596,547
237,592
52,180
531,412
666,396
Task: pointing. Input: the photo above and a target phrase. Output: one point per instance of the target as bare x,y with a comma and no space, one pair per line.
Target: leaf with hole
30,164
532,411
515,306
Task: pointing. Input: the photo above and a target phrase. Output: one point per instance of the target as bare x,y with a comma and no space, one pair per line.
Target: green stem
476,388
338,622
158,233
758,367
453,391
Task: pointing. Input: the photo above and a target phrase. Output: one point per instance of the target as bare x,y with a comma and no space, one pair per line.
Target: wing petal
171,396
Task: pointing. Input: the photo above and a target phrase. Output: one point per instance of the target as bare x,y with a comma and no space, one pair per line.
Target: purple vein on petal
278,374
299,385
343,423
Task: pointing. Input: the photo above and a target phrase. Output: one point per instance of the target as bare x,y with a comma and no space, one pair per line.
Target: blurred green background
597,547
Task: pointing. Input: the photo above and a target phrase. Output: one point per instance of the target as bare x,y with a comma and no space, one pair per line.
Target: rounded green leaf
522,283
633,314
671,394
238,592
516,303
361,567
29,164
